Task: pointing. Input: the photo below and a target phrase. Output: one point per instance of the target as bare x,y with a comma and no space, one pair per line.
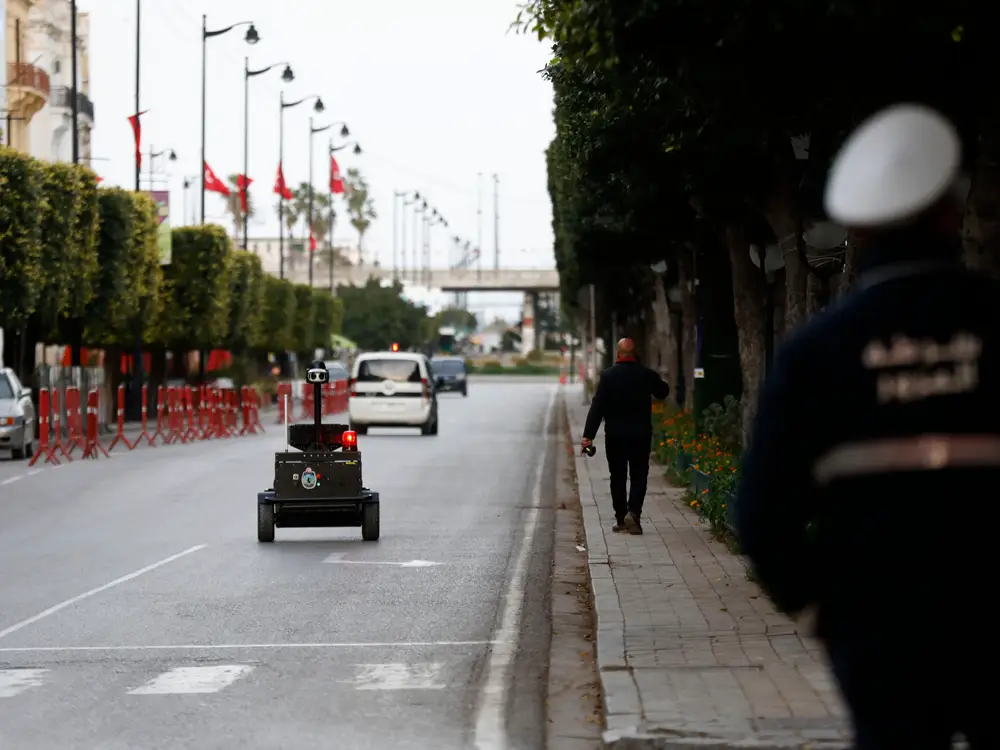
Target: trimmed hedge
76,257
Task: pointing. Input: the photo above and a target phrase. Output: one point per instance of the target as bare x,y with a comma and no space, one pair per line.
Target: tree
234,206
377,316
360,206
304,326
275,333
246,300
22,183
327,318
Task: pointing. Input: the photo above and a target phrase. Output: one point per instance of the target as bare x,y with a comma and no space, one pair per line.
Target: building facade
28,85
51,130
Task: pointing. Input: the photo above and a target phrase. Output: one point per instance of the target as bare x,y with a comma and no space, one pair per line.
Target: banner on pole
164,234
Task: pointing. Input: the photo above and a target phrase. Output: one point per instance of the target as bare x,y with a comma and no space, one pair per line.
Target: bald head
625,349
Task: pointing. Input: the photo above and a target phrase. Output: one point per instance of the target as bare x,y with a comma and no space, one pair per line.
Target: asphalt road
138,611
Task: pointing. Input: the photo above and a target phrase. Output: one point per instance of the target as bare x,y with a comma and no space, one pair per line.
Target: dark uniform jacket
872,483
624,400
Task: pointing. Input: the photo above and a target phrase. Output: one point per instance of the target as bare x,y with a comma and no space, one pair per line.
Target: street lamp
429,221
153,155
287,76
344,132
251,38
318,107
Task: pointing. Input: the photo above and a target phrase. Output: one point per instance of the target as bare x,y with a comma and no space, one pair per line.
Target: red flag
99,179
280,188
312,242
243,182
336,183
137,132
213,184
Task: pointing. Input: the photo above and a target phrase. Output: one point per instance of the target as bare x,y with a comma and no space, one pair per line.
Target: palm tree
291,219
360,206
234,208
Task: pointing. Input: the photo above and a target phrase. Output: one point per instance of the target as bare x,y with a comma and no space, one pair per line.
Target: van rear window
399,370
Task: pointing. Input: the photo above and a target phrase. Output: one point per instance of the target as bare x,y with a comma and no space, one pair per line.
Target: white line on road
237,646
398,676
491,724
336,558
189,680
87,594
13,479
35,471
14,681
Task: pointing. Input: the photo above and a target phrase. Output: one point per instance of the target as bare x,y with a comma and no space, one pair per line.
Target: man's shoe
619,527
632,525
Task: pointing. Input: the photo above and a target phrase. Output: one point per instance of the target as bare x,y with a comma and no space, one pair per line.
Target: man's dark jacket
624,400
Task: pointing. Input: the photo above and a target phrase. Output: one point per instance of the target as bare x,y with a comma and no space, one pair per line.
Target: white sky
435,92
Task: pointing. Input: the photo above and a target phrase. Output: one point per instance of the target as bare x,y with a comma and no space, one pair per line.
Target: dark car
450,374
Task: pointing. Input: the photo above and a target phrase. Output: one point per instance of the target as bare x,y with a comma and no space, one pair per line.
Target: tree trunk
779,297
816,294
781,217
689,332
663,331
981,223
748,303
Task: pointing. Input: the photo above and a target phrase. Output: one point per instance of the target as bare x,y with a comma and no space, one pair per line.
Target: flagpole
281,187
138,49
333,216
246,138
309,210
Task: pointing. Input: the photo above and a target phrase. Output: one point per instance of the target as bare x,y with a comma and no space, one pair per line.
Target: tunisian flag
213,184
336,182
137,132
243,182
312,242
280,188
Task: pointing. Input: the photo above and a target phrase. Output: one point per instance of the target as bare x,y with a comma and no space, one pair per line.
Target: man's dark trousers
628,457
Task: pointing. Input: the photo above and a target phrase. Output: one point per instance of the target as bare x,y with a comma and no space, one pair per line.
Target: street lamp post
344,131
318,107
251,38
417,223
434,220
402,253
153,155
397,195
287,76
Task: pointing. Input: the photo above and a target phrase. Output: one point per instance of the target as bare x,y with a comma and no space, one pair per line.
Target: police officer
623,401
871,488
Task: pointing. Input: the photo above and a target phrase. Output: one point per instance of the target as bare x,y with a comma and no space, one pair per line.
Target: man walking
624,402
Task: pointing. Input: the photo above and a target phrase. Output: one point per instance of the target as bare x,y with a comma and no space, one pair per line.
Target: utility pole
75,105
479,224
496,223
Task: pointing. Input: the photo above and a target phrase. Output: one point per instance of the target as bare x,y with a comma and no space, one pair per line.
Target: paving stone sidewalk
690,652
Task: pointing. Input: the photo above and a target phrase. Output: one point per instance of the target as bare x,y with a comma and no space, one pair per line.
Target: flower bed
701,462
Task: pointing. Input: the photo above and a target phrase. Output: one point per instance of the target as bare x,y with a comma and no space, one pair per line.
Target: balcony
28,88
62,98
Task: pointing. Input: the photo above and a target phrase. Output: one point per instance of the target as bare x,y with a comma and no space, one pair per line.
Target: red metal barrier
175,416
93,447
162,416
255,423
191,433
44,446
74,421
120,435
145,421
57,443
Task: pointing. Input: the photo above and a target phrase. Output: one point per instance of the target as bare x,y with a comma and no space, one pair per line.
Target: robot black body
319,484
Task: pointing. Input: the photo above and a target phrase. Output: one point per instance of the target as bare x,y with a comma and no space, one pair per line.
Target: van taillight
352,384
426,387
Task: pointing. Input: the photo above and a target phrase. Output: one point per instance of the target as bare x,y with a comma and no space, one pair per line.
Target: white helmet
897,163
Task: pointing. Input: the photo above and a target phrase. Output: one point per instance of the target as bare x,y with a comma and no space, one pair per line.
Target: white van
393,389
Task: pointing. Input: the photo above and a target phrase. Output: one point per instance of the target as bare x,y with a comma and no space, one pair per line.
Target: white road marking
490,731
12,479
237,646
35,471
87,594
398,676
14,681
336,558
188,680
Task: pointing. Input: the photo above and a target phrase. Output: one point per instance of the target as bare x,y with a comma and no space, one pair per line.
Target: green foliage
246,299
59,210
196,288
21,243
360,204
86,232
725,422
275,333
116,298
327,318
144,268
375,317
304,326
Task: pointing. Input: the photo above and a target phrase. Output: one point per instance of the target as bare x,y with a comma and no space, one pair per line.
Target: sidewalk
691,654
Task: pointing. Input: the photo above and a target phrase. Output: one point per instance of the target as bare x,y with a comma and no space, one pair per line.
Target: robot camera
317,373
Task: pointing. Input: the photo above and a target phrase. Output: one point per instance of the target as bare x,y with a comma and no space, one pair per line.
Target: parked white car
17,416
393,389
